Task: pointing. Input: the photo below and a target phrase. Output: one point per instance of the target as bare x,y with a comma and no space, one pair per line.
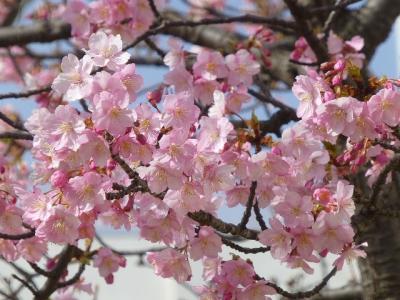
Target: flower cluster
152,165
130,18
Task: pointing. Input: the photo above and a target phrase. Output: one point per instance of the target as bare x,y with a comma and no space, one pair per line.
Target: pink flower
106,50
100,12
149,122
108,263
345,203
294,262
256,291
187,199
350,253
176,56
214,133
306,90
8,250
180,78
74,82
270,164
302,52
59,227
296,210
239,194
76,14
242,67
218,178
339,113
11,220
278,238
204,90
66,128
238,272
385,107
35,204
111,113
59,179
160,176
133,82
170,263
235,100
32,249
363,125
86,191
331,234
303,241
180,111
206,244
210,65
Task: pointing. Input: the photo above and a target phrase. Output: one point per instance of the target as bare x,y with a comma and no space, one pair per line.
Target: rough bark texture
381,270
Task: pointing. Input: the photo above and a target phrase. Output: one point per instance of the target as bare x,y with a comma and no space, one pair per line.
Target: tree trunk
380,271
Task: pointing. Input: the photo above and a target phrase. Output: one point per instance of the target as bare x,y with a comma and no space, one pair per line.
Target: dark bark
380,271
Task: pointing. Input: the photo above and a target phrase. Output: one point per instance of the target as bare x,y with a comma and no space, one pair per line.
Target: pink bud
337,79
111,164
324,253
141,139
361,160
50,264
328,96
110,279
276,151
340,65
382,158
59,179
92,165
322,195
122,262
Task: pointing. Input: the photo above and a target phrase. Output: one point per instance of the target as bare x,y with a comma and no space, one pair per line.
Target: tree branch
307,294
373,22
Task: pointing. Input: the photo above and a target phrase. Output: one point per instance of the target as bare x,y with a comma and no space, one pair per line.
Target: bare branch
16,237
259,216
154,9
16,135
206,219
26,284
307,294
125,252
242,249
304,29
249,205
25,94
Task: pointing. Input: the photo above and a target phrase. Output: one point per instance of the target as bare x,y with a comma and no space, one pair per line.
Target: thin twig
242,249
154,9
25,94
247,213
259,216
307,294
26,284
16,135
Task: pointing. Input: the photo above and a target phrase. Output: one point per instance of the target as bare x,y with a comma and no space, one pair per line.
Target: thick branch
373,22
207,219
52,282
